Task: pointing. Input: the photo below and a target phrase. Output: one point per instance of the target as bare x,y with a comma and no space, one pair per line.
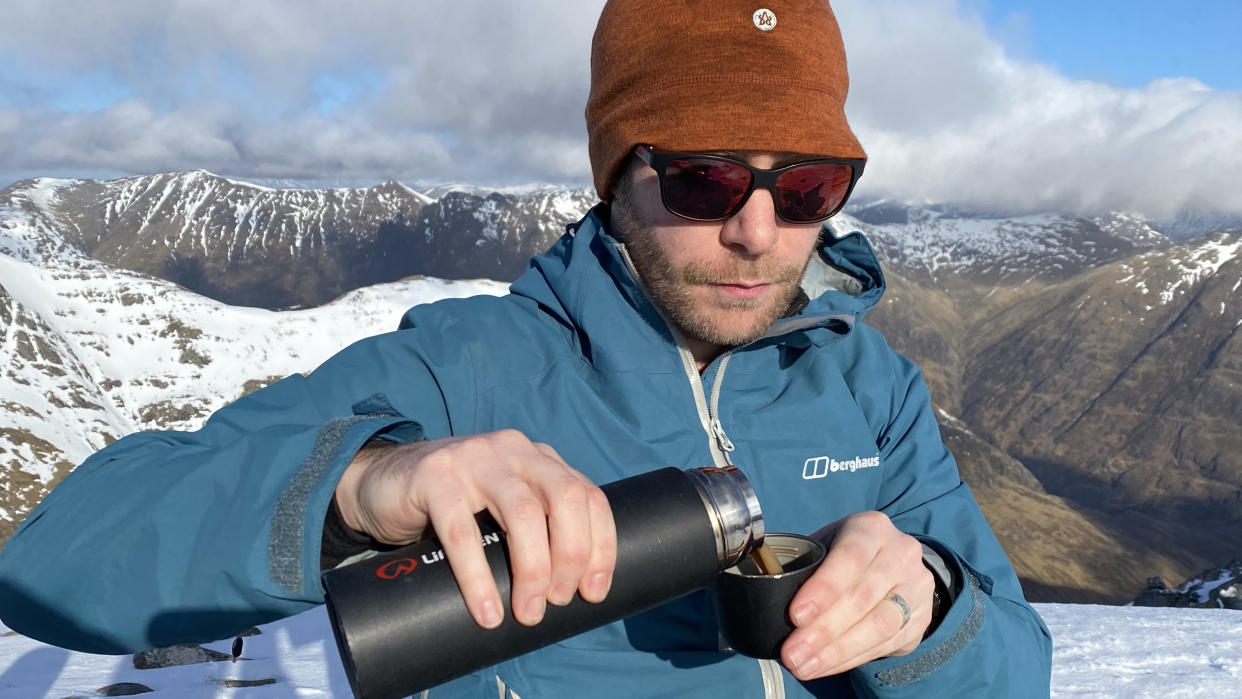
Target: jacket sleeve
990,643
173,537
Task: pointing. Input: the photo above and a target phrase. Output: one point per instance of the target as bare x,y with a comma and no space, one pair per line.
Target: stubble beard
726,322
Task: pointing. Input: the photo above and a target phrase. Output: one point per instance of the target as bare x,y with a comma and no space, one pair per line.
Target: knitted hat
700,75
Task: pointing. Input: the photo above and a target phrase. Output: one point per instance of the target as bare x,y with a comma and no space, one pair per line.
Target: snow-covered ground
1099,651
1103,651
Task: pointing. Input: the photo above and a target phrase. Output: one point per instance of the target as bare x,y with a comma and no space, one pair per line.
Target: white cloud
946,115
487,92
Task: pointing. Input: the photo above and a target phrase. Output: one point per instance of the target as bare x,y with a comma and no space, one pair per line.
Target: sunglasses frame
658,160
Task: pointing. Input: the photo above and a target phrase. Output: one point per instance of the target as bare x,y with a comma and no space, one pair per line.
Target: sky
1006,104
1123,43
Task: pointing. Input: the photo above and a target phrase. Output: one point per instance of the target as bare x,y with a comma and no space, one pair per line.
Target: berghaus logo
821,466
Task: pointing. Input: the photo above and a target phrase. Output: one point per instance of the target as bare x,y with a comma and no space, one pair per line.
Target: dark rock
1217,588
172,656
246,683
1155,598
123,689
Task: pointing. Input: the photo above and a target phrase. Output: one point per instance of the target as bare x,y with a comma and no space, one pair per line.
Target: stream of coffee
766,560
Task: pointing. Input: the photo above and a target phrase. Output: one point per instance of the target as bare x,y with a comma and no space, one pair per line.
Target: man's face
721,283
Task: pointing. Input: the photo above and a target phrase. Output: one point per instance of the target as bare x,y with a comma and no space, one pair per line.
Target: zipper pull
722,439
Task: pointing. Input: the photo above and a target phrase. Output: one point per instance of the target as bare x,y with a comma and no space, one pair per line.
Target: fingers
844,613
520,512
882,632
558,525
583,534
563,497
598,579
460,536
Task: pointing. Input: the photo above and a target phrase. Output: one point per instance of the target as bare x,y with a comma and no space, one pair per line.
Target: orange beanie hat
709,75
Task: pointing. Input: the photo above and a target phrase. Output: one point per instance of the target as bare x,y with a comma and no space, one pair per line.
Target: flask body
402,626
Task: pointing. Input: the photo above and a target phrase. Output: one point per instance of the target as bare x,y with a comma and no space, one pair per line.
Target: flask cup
401,625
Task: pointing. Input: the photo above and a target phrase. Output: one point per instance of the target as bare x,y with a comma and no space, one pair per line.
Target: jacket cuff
296,534
960,624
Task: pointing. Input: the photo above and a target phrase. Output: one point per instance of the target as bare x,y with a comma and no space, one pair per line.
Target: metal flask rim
733,509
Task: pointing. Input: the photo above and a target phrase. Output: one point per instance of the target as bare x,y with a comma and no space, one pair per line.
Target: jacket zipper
713,411
718,442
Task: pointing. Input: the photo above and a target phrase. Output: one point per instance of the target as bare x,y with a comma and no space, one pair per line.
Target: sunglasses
703,187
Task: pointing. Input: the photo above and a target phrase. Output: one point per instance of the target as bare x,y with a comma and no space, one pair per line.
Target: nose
753,229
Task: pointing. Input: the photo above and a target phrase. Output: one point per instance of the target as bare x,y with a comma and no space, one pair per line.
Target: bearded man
669,327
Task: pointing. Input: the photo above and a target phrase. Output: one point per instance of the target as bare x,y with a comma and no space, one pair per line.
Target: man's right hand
559,526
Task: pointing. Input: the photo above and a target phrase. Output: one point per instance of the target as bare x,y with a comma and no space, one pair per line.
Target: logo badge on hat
764,19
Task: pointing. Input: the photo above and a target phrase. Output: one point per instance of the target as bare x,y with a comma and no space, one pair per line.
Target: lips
743,289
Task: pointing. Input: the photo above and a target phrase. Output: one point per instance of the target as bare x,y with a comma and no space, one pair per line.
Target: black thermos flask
402,626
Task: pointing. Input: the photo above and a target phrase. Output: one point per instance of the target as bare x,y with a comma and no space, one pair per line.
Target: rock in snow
1215,588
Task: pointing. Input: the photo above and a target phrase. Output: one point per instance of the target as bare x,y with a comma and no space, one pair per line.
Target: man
667,328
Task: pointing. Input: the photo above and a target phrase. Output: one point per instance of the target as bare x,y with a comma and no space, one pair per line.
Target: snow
946,243
1144,651
1098,651
45,192
417,194
1201,262
298,653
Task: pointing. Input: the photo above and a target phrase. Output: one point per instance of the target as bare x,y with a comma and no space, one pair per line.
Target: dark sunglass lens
811,192
704,188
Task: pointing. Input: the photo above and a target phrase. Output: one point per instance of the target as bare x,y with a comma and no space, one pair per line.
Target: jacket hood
585,283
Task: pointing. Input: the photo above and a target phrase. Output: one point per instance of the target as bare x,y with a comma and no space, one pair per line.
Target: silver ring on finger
901,604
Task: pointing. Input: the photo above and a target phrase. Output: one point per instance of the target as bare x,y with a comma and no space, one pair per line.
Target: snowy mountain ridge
1050,246
159,223
276,248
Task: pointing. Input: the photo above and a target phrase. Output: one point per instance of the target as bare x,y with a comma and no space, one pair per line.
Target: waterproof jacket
168,537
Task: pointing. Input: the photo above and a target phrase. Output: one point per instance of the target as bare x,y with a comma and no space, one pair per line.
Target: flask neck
733,509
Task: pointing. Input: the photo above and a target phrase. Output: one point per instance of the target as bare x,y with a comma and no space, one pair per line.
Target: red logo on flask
395,569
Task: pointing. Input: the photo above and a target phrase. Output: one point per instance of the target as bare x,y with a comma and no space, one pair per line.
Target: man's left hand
844,614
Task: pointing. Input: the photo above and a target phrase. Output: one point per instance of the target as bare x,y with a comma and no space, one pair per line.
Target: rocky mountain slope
1126,382
278,248
1109,371
1086,370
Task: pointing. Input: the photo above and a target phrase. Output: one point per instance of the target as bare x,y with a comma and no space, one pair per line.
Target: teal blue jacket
167,537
